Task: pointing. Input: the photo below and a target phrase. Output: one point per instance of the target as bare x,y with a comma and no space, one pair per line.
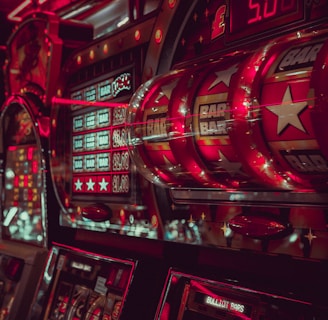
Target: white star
90,184
223,76
166,91
288,112
78,185
103,184
231,167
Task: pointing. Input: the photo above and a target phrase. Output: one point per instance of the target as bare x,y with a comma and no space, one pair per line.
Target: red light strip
88,103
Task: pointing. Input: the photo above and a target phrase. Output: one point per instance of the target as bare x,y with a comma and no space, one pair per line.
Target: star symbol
231,167
288,112
191,220
223,76
103,184
166,91
78,185
226,229
310,236
90,184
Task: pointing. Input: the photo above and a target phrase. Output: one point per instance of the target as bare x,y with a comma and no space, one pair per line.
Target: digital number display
100,159
257,16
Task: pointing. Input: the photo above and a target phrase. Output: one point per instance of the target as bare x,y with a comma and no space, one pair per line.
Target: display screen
100,158
88,286
249,17
223,303
23,179
189,297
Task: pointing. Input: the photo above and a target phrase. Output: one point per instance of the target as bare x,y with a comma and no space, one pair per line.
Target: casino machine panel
101,195
85,286
187,140
233,125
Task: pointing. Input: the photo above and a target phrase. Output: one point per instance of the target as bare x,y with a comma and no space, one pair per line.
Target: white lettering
212,128
156,127
300,56
213,110
307,163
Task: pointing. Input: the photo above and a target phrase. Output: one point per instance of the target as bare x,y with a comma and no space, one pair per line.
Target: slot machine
191,146
238,138
100,193
27,203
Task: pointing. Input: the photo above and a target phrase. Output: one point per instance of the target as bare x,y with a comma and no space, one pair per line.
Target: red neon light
30,153
35,167
88,103
247,13
269,9
16,181
14,14
26,181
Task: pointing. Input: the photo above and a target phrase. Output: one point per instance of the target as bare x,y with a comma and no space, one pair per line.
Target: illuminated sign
257,16
112,87
224,304
156,125
212,119
232,306
99,141
81,266
301,57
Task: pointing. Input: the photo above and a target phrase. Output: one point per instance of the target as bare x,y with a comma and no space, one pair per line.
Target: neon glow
14,14
263,15
69,102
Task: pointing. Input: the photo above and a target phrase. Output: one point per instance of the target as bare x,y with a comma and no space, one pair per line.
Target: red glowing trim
16,181
12,148
35,167
30,153
13,15
88,103
26,180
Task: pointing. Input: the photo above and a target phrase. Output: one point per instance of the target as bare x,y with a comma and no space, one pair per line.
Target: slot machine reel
271,113
151,130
